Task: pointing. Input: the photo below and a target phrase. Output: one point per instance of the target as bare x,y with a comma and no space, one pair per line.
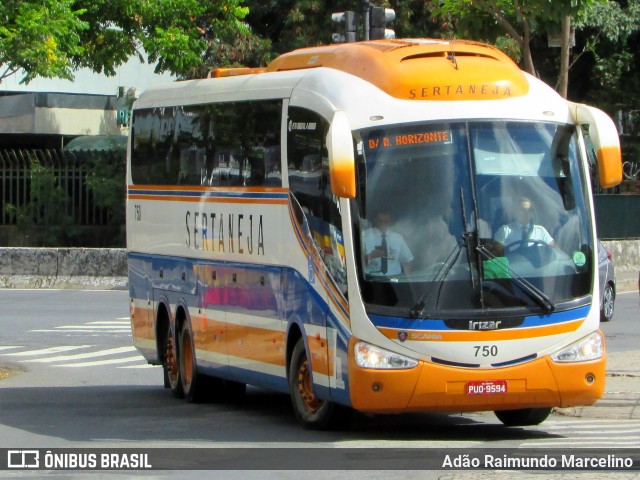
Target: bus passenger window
229,144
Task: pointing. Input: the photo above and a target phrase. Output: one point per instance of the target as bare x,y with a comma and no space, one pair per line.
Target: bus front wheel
311,411
523,417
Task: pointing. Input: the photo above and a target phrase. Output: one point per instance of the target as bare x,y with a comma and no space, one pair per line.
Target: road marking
146,365
103,326
583,433
137,358
585,428
112,322
47,351
78,330
89,327
562,423
575,442
81,356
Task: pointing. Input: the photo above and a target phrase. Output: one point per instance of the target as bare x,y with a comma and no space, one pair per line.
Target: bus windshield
464,217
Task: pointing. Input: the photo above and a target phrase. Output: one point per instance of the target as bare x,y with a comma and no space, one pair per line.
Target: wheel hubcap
172,362
608,302
305,388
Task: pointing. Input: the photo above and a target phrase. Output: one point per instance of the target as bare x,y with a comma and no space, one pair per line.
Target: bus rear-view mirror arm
604,136
341,157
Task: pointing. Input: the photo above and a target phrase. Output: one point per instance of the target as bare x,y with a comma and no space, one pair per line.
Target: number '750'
486,350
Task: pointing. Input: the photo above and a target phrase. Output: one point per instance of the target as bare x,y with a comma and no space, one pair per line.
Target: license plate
486,387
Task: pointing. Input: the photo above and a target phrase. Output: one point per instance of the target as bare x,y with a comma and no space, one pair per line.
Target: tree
40,38
53,38
520,20
610,47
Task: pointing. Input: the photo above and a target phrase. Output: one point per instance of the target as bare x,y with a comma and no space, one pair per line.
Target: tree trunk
565,48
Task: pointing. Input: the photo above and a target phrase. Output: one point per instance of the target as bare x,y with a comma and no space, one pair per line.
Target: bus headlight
368,356
587,348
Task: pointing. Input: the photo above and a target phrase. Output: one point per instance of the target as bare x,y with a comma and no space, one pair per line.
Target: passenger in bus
386,252
523,230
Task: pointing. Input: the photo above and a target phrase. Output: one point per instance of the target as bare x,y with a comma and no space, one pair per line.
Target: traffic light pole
374,19
366,7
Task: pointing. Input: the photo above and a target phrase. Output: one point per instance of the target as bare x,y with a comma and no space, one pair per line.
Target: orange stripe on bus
140,325
172,198
258,344
321,355
485,335
209,334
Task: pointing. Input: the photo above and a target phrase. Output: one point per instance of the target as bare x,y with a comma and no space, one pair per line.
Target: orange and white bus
256,206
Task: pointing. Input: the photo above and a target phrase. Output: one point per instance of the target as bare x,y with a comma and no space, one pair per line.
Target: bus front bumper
430,386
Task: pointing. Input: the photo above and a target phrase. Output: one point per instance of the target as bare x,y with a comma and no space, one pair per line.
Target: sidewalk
626,280
621,393
622,389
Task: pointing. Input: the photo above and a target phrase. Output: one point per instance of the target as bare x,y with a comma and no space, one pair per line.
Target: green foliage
43,220
106,182
611,47
40,37
511,23
53,38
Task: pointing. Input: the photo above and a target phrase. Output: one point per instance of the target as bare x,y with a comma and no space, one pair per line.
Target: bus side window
310,184
231,144
244,141
153,160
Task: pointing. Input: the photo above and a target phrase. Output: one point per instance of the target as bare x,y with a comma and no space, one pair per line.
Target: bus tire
195,386
171,366
523,417
311,412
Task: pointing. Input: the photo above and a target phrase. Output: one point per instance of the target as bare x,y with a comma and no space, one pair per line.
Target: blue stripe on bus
209,194
439,324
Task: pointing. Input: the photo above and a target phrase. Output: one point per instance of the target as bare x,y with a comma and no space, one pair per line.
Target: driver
386,252
523,230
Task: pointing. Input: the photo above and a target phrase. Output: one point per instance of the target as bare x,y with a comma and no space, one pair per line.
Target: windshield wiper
535,293
418,309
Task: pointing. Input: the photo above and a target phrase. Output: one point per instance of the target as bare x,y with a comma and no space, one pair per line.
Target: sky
132,74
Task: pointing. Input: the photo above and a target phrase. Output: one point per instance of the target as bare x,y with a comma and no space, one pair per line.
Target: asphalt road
79,383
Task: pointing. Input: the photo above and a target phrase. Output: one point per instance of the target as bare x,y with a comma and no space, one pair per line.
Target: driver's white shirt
398,252
512,233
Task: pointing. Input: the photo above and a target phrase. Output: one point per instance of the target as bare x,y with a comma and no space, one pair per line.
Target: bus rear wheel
311,411
194,384
523,417
171,366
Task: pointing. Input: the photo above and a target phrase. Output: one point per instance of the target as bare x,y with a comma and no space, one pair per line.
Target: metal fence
70,170
618,216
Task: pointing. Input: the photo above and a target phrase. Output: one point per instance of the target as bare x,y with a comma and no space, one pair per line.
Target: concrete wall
63,268
626,259
107,268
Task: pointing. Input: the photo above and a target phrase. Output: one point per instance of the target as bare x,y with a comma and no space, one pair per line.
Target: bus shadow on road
115,414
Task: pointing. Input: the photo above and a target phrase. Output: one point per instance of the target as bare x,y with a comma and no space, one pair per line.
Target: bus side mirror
342,165
604,136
